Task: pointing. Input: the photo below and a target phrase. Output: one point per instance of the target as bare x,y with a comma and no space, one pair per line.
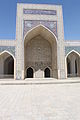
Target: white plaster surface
40,102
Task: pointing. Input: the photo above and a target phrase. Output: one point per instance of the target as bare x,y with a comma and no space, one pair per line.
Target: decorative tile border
40,12
29,24
70,48
11,49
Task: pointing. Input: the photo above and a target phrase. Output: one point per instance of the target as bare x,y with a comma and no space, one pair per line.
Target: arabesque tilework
29,24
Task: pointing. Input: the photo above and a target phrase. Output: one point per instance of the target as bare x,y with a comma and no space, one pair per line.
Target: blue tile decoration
70,48
11,49
29,24
39,11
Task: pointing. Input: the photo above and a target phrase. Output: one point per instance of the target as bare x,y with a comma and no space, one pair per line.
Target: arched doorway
29,72
47,73
73,64
40,50
6,65
9,66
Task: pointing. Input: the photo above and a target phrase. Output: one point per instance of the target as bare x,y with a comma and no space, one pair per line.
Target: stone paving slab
40,102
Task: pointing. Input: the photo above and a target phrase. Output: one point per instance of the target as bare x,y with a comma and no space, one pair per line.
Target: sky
71,17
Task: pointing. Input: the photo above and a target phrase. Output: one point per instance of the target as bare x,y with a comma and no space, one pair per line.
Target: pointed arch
73,51
11,56
5,51
72,64
40,30
40,37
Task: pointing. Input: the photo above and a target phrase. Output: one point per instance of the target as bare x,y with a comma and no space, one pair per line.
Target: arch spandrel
71,52
7,52
68,49
30,24
10,49
40,30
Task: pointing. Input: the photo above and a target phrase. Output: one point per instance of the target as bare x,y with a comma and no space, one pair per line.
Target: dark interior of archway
29,73
47,72
76,67
68,67
9,66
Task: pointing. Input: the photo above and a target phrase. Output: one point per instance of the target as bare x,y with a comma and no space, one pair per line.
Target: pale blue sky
71,15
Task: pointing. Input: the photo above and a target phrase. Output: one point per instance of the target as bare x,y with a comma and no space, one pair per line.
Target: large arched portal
73,64
6,65
40,51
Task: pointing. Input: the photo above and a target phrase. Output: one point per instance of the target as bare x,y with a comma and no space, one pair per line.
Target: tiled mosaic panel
29,24
11,49
70,48
40,12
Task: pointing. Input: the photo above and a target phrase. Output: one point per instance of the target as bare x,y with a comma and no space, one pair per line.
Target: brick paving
40,102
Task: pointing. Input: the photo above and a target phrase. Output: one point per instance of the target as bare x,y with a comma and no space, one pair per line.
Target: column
60,45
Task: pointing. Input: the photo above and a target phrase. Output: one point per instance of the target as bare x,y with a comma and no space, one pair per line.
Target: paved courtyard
40,102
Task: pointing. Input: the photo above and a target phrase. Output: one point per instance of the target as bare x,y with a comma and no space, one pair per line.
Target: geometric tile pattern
70,48
29,24
11,49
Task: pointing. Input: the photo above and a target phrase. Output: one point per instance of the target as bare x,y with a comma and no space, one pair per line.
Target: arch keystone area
72,51
42,30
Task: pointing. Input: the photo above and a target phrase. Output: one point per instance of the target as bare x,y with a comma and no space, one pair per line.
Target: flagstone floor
40,102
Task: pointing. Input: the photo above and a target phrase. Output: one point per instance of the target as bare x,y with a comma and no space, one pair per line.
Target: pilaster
60,46
19,42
